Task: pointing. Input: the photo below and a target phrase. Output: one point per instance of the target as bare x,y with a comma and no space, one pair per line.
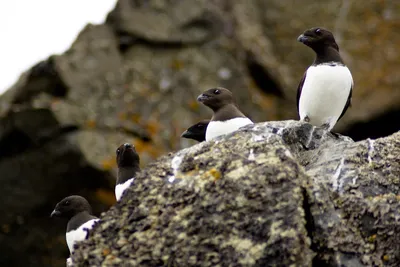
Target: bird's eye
217,92
118,151
318,31
66,203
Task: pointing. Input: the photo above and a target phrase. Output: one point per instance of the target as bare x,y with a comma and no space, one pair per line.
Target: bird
197,131
324,93
79,213
128,162
227,117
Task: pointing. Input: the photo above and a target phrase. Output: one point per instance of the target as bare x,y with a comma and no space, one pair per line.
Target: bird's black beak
185,134
302,38
202,97
127,145
55,213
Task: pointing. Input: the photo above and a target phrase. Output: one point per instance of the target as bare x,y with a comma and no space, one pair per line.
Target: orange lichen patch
398,197
105,196
106,251
267,101
372,238
153,127
122,116
91,124
252,84
146,147
108,164
177,64
5,228
214,174
135,118
386,257
194,105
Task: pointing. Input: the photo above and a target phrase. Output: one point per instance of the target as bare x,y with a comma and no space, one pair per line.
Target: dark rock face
245,200
38,164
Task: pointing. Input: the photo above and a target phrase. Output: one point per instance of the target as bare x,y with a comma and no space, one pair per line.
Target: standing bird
324,93
79,213
128,162
197,131
227,117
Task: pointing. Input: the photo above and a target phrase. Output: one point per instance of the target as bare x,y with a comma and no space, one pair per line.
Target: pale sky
31,30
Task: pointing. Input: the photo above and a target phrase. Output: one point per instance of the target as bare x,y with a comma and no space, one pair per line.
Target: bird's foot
335,134
326,126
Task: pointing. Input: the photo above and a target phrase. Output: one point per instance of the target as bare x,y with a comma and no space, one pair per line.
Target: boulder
279,193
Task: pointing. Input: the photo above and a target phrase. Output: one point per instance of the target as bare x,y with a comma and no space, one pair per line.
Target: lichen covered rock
272,194
233,202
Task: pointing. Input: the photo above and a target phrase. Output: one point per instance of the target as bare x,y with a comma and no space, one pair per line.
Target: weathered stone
244,200
165,22
229,203
38,164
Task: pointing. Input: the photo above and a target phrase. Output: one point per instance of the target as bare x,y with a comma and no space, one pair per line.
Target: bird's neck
327,54
227,112
126,173
79,219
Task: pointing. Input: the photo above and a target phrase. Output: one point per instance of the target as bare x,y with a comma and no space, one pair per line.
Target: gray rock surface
272,194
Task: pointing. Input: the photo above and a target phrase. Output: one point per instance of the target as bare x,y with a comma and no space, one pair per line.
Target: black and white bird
79,213
227,117
325,92
197,131
128,162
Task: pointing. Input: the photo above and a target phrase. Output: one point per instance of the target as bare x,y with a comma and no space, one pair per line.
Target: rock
231,203
38,164
272,194
150,85
165,22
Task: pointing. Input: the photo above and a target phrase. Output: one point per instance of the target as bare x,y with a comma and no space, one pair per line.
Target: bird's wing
348,103
299,88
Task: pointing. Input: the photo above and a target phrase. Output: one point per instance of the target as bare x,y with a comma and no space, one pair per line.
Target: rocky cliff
135,79
273,194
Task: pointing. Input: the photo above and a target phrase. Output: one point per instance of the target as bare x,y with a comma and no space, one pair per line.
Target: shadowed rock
39,163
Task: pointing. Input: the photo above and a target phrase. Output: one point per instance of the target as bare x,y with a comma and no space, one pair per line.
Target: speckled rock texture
272,194
234,202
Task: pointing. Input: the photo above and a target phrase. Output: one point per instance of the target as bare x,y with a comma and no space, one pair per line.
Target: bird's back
217,128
